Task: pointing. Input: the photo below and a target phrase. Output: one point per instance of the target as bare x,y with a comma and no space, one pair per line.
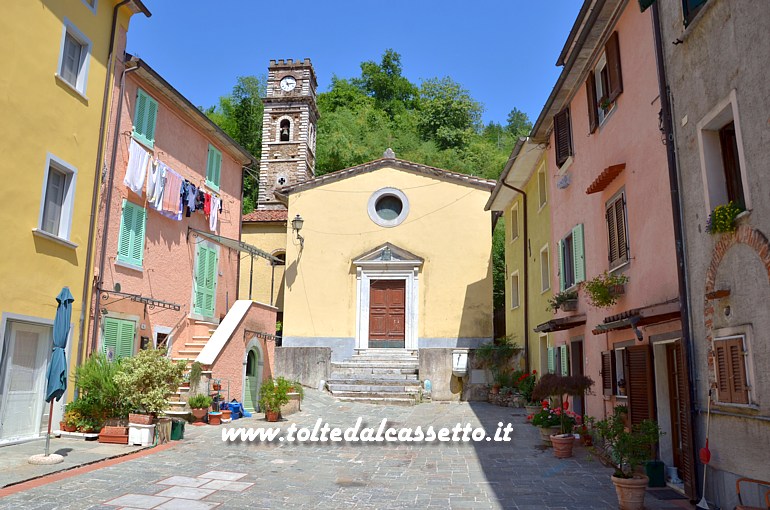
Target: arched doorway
252,377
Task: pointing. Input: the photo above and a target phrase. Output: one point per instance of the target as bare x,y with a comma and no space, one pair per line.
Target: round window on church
388,207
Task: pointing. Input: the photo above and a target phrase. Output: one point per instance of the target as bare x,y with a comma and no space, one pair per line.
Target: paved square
519,474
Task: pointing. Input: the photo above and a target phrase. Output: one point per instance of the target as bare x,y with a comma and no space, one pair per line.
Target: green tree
448,114
391,91
518,123
498,265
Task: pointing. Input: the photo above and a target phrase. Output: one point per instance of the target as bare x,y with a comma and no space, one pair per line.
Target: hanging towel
138,161
156,181
207,204
172,202
216,207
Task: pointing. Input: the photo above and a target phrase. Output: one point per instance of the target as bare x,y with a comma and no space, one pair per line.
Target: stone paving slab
14,467
518,475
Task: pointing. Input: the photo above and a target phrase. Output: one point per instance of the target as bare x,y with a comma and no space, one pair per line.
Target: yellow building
54,89
260,279
391,254
521,195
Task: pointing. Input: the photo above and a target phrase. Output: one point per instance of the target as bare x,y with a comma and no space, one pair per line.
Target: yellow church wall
446,226
269,237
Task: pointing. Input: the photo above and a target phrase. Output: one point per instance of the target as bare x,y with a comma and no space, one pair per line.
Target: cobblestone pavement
208,473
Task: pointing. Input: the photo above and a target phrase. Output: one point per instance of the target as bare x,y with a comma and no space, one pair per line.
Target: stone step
190,352
373,380
374,387
201,339
337,374
175,412
378,370
374,394
375,364
392,401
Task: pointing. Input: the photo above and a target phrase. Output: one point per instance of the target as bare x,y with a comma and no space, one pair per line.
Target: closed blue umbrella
57,369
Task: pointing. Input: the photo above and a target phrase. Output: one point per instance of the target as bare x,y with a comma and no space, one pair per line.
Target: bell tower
288,128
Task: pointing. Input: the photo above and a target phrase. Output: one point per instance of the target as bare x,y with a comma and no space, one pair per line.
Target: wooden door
640,383
577,369
681,426
387,306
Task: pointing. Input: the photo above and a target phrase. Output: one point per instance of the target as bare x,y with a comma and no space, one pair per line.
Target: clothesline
168,192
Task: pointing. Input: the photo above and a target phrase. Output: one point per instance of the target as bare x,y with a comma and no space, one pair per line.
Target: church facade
389,254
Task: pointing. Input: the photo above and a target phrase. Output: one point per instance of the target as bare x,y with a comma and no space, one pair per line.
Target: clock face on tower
288,83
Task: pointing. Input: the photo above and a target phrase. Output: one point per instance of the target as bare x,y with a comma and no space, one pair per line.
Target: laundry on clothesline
136,171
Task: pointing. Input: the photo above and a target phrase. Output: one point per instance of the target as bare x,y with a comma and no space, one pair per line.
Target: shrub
600,289
497,356
147,378
628,448
96,384
273,394
199,401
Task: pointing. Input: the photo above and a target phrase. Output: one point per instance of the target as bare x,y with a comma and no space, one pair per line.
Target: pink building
611,212
167,256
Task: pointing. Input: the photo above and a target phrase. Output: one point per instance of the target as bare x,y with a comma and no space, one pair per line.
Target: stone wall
308,365
436,366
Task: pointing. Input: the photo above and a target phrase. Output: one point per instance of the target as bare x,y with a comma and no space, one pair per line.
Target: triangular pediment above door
387,254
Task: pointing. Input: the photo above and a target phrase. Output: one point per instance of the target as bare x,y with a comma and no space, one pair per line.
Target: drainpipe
95,192
132,65
526,275
676,208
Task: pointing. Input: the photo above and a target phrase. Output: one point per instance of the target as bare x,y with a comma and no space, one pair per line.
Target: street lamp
296,226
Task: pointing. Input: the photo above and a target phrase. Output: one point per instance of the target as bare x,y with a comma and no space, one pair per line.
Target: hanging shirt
216,208
190,197
156,181
136,171
172,192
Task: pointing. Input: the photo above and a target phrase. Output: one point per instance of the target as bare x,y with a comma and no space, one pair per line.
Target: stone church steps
377,376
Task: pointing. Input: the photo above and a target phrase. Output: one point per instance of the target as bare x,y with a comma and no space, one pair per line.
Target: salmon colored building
167,248
611,217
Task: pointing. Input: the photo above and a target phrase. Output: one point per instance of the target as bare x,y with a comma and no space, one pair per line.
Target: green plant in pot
273,394
146,379
566,300
603,290
629,449
199,405
722,218
100,397
557,386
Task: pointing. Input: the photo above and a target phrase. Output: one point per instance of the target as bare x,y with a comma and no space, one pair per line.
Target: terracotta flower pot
272,415
140,419
216,387
215,418
631,491
70,428
226,413
199,413
562,446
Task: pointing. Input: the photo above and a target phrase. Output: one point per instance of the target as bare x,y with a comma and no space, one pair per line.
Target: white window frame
710,148
515,278
91,8
515,221
85,57
545,267
620,370
542,191
601,115
68,205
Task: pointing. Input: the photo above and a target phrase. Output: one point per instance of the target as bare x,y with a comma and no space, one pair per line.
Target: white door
23,380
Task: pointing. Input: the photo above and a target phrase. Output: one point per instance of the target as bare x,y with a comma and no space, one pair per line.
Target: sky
503,51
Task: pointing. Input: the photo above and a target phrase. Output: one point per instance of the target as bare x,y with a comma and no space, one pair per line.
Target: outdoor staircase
377,376
201,332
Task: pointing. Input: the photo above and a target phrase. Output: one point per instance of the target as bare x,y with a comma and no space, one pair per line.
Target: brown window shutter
593,115
612,235
612,50
686,458
723,372
739,388
608,373
620,222
639,382
562,136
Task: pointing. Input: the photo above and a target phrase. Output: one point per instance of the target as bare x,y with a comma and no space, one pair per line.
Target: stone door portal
387,305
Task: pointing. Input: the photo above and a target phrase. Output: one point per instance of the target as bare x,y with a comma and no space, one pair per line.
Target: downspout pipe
132,65
526,273
676,208
87,277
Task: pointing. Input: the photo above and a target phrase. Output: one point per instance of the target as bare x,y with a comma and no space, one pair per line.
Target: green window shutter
111,334
213,168
145,117
126,333
564,360
579,253
131,236
205,281
551,360
561,266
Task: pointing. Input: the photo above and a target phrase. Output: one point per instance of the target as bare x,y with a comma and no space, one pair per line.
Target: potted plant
272,395
525,385
146,379
557,386
215,417
199,405
71,417
622,387
603,290
216,384
567,301
722,218
628,448
185,381
548,422
585,430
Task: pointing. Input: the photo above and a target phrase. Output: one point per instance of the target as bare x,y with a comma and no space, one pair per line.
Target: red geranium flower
566,405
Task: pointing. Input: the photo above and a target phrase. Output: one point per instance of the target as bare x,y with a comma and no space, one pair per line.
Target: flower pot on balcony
571,305
617,290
